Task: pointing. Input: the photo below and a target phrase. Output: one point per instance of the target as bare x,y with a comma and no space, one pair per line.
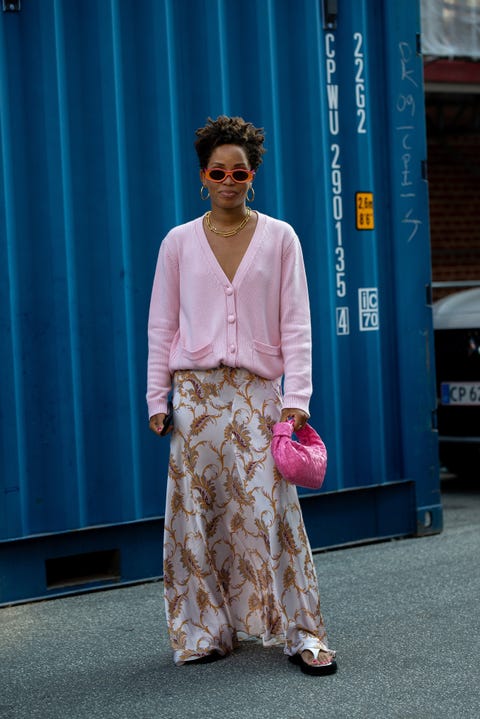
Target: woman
229,317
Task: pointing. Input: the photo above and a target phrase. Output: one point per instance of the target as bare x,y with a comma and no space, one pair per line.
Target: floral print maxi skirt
237,561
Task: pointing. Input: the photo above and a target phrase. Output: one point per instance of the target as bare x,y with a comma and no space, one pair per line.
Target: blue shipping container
99,101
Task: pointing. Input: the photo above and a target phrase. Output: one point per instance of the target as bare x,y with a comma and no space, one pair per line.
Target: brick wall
454,190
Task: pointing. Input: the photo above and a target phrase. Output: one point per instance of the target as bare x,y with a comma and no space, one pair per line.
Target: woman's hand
156,423
298,415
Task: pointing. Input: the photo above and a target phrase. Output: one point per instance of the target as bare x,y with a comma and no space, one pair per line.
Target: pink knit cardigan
261,321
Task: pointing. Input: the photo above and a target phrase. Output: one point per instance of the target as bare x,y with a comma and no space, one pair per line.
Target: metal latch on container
12,5
330,12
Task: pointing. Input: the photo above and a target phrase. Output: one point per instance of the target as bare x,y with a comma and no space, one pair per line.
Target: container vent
83,568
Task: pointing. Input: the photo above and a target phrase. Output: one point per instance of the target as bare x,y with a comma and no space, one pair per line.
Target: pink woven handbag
303,463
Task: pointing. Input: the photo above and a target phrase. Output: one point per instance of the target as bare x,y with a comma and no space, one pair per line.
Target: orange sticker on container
364,211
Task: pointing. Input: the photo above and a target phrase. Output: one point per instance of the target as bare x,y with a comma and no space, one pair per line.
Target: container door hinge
12,5
330,12
428,294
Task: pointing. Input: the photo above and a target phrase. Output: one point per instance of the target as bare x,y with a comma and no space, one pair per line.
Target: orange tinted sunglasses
216,174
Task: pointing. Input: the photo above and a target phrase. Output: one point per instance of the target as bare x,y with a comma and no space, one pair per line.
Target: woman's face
227,194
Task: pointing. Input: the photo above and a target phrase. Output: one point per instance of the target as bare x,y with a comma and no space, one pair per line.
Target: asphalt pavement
403,615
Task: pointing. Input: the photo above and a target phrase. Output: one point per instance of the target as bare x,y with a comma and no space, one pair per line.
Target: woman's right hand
156,423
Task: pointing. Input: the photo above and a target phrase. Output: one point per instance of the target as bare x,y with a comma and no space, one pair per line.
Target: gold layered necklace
226,233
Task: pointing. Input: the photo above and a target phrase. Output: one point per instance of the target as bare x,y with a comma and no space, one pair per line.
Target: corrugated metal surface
99,101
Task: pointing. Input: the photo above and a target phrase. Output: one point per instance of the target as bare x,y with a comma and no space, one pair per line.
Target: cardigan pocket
198,353
267,360
274,350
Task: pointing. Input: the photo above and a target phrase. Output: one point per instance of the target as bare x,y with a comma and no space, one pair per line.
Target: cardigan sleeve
295,328
162,327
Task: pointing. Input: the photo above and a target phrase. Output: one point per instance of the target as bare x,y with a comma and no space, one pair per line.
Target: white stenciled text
359,62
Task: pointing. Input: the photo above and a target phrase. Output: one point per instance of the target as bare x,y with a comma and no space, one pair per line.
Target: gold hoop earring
252,196
204,197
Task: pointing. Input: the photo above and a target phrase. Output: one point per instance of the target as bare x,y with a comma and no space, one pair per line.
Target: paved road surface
403,615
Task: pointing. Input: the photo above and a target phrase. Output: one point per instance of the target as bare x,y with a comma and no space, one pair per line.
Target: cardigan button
232,348
229,290
231,319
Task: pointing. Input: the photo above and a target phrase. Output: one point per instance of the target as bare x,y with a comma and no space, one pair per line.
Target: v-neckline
244,262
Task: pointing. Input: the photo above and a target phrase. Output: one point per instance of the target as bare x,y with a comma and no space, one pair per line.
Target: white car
456,322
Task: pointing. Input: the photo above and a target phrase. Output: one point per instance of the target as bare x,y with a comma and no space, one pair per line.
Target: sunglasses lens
216,175
241,175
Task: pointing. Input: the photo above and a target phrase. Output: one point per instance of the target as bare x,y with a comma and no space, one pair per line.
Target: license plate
460,393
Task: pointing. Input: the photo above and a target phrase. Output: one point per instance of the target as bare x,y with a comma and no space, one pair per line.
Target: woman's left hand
298,415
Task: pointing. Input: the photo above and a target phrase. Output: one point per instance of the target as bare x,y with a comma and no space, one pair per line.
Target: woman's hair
230,131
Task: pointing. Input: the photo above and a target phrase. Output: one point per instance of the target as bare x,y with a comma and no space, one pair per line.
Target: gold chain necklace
227,233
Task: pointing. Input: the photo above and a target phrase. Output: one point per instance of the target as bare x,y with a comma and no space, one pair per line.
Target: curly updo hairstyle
230,131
